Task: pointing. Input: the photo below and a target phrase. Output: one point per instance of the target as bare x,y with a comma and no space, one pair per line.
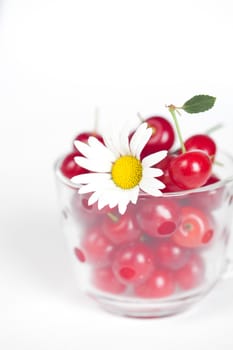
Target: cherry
208,200
201,142
97,248
192,274
133,263
158,217
162,137
195,228
160,284
70,168
105,280
84,136
165,178
120,229
170,255
190,170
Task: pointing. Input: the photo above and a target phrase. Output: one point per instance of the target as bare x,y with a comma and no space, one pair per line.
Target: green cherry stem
113,217
172,110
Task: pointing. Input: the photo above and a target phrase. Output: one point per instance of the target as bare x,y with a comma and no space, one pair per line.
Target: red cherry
191,169
201,142
84,136
120,229
192,274
158,217
105,280
133,263
70,168
162,137
165,178
97,248
195,228
208,200
170,255
159,285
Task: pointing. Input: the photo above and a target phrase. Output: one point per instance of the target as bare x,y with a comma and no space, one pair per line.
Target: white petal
154,158
109,142
134,194
151,186
136,138
152,172
143,142
123,202
102,166
83,148
100,149
90,177
124,141
93,198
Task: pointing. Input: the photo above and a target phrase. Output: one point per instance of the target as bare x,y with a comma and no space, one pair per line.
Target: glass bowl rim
207,188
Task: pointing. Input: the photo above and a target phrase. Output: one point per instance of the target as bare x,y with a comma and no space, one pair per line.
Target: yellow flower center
127,172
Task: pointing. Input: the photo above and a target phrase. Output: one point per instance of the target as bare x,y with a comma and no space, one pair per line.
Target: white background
58,60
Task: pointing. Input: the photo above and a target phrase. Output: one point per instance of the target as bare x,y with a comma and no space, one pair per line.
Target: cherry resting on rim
162,137
166,178
69,168
201,142
190,169
158,217
133,263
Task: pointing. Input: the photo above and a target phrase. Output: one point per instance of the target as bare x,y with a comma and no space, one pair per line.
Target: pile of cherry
155,249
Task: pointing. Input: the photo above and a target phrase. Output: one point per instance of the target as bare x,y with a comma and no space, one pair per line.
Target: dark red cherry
162,137
160,284
201,142
195,229
190,169
158,217
170,255
96,247
104,279
70,168
192,274
166,178
133,263
120,228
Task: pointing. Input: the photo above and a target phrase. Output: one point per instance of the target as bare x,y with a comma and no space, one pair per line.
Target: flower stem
173,113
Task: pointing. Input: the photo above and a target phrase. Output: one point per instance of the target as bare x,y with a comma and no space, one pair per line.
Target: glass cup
159,258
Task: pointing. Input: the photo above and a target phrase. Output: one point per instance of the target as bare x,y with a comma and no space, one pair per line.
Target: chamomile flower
117,173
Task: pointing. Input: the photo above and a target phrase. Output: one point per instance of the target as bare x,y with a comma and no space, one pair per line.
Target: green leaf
199,103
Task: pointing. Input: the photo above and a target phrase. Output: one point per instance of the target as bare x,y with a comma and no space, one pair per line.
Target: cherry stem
113,217
172,109
97,115
214,128
140,117
216,162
